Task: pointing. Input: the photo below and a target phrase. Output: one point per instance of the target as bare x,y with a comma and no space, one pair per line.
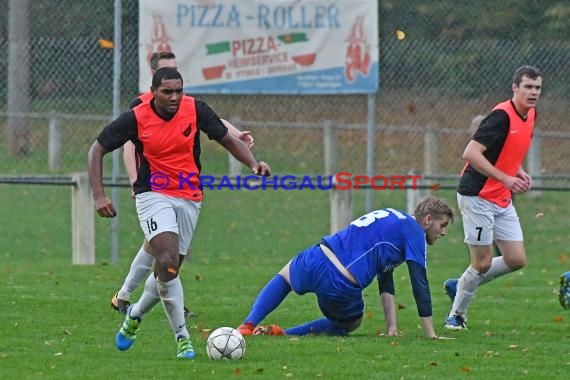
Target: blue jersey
377,243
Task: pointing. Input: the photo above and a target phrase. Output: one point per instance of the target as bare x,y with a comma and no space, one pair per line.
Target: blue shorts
339,299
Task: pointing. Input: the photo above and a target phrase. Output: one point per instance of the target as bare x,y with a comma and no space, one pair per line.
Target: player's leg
509,238
140,267
171,291
268,299
340,300
478,221
342,316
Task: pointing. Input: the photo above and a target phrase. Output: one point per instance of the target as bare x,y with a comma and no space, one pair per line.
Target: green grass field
56,322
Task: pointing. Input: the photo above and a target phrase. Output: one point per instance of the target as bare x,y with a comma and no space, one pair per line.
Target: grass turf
56,321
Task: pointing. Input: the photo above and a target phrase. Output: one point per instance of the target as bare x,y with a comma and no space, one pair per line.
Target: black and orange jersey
507,137
167,151
145,97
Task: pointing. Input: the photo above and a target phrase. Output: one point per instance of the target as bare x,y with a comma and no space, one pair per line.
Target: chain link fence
430,90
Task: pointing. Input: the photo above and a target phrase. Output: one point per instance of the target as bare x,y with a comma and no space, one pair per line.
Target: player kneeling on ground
339,268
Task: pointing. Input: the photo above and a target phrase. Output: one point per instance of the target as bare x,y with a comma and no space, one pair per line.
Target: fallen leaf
558,318
436,186
58,354
66,332
197,277
401,306
562,257
433,364
465,369
539,215
106,44
513,346
369,315
394,343
400,35
237,372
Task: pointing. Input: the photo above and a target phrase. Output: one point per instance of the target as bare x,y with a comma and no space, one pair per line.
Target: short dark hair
157,56
165,73
530,71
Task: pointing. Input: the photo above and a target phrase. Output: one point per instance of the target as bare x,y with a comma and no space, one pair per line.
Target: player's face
526,94
167,97
435,228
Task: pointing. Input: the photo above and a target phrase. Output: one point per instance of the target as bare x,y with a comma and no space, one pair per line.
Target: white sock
466,289
498,268
172,297
139,270
149,298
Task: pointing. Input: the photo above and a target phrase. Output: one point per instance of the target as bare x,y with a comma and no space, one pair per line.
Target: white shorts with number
484,221
161,213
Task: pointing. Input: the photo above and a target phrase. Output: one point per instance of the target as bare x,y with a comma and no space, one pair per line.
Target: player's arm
129,157
112,137
103,205
422,295
387,293
493,129
129,161
244,136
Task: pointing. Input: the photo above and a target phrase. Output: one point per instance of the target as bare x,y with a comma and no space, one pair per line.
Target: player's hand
247,138
105,207
517,185
525,177
261,168
393,331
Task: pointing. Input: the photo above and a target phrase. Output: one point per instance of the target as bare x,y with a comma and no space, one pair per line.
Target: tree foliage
514,20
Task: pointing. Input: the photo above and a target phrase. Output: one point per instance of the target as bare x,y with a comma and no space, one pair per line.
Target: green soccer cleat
128,332
185,348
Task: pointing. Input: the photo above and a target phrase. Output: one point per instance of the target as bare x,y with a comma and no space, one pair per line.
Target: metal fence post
82,221
54,141
431,165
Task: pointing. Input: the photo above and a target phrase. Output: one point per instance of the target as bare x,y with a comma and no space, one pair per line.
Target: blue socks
268,299
322,326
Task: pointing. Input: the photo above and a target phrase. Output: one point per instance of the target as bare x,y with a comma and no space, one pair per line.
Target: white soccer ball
225,343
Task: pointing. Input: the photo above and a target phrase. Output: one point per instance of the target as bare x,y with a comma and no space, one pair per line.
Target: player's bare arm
389,307
474,155
103,205
244,136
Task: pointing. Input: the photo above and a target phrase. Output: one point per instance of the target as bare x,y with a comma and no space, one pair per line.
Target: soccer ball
225,343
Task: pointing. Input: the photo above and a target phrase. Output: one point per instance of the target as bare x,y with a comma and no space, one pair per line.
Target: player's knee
482,266
352,325
167,269
516,263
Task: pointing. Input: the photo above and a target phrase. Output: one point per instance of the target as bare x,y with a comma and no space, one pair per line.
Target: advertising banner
264,46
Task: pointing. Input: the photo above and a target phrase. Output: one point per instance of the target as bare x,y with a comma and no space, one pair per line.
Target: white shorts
484,221
162,213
